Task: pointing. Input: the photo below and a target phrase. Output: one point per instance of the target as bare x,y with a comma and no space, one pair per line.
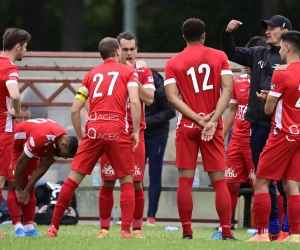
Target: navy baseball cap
277,21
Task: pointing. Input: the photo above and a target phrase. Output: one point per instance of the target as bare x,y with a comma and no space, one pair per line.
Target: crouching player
34,138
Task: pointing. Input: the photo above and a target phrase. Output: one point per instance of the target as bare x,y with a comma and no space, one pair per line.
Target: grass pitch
84,238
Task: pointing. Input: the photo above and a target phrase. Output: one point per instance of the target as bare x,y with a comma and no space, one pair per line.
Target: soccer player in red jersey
239,164
107,131
34,138
128,43
280,158
14,46
203,78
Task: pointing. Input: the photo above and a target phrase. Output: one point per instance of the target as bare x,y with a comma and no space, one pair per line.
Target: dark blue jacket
261,61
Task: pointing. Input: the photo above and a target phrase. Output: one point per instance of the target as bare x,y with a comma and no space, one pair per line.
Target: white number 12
192,73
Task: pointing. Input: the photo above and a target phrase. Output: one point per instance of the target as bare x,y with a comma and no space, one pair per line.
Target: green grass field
84,237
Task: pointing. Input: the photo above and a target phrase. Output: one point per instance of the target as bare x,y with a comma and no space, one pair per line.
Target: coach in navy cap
277,21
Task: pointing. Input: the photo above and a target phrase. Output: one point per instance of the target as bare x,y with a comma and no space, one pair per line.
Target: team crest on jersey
31,141
137,170
150,79
108,170
272,86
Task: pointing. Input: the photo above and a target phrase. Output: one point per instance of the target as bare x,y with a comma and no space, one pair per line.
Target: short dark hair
72,144
107,47
257,41
127,35
293,38
193,29
13,36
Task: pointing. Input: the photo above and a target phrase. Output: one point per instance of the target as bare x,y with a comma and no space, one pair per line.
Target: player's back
197,70
287,112
42,129
107,88
8,73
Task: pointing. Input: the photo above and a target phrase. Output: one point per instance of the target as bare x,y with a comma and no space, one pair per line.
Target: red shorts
239,164
107,169
31,167
108,138
188,141
6,151
280,158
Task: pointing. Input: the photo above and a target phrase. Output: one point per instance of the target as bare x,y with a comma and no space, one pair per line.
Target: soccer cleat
103,233
150,221
126,234
259,238
229,238
137,234
295,238
281,236
187,237
52,232
217,235
32,233
20,232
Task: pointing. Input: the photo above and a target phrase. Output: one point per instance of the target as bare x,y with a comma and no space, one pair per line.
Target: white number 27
99,78
205,85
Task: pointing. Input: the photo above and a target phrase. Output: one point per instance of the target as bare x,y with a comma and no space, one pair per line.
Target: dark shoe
228,238
187,237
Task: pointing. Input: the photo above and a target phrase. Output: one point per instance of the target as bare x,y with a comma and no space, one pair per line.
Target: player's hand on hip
205,119
208,131
263,95
136,138
233,25
11,112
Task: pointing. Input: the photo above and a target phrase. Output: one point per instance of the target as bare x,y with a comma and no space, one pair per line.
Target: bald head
142,63
109,48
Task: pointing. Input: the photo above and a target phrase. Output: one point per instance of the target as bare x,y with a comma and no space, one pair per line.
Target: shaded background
79,25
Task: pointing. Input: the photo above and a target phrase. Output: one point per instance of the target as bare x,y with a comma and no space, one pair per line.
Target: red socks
223,206
29,209
127,205
233,191
138,210
185,204
293,209
105,204
262,210
64,199
14,208
280,209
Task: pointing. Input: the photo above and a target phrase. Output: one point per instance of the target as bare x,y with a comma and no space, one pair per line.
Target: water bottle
115,215
96,175
171,229
196,182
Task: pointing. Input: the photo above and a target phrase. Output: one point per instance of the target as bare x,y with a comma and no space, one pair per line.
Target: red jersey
240,96
37,137
146,79
9,74
197,71
285,85
106,85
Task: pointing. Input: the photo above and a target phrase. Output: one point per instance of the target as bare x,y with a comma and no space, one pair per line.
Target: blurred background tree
79,25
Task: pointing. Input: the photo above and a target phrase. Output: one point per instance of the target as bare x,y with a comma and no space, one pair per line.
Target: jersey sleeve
169,75
148,82
278,85
34,144
226,69
133,79
233,99
83,92
12,75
